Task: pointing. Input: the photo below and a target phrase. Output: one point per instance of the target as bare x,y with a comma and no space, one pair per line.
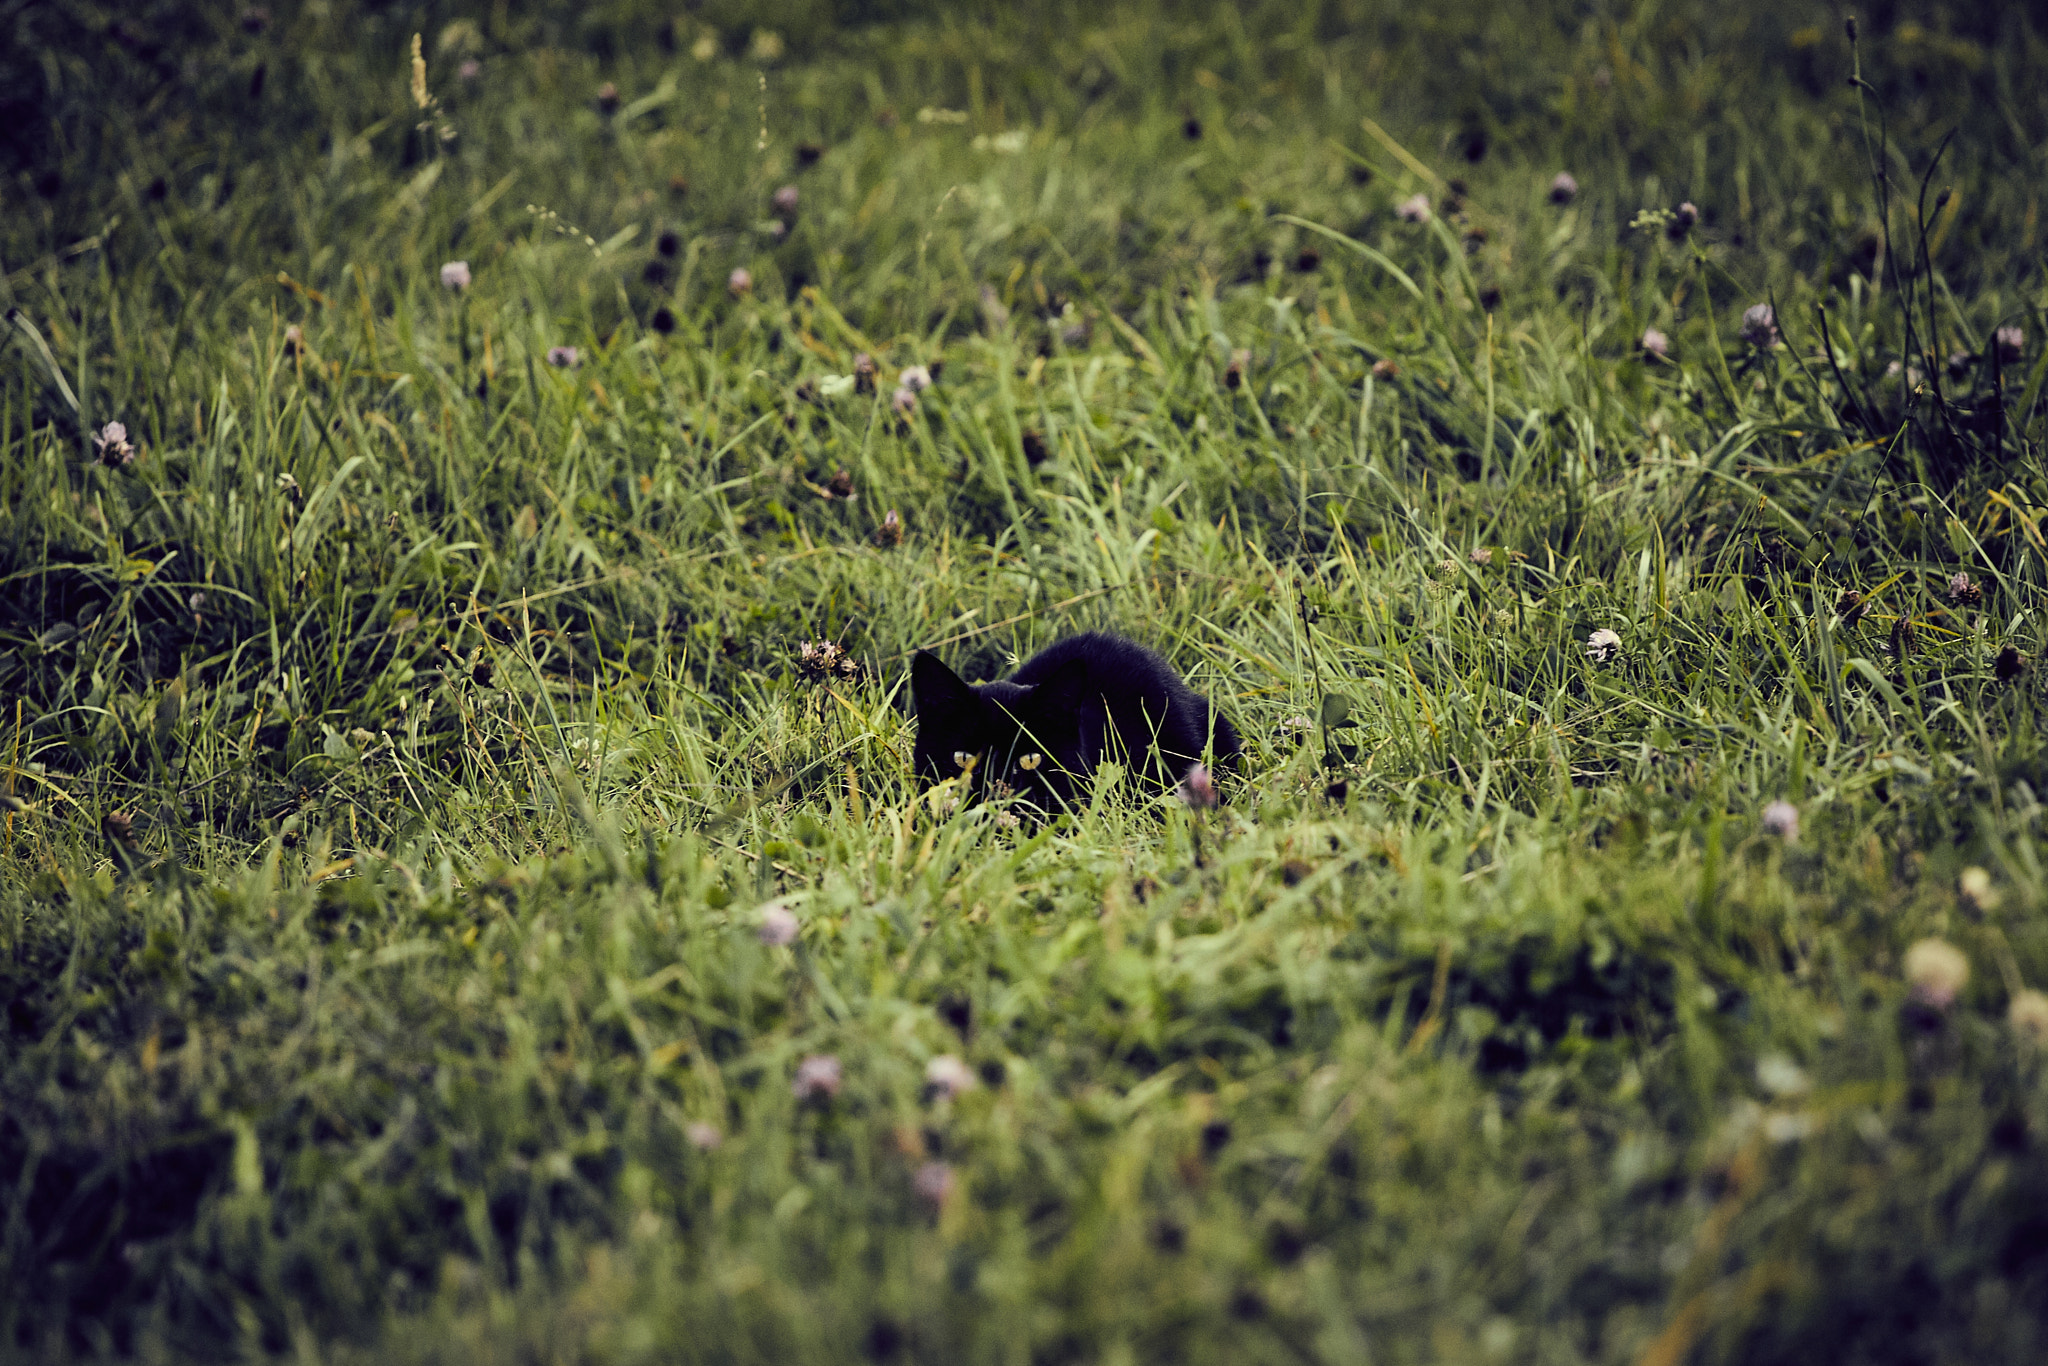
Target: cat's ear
1060,693
936,689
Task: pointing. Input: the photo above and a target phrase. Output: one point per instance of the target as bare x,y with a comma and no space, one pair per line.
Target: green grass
399,754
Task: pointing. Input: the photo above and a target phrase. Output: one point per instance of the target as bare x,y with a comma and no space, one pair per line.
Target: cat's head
1003,739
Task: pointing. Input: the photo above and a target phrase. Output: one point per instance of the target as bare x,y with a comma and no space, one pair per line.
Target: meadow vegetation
447,913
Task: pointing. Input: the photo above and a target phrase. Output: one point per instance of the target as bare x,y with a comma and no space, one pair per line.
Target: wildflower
1198,789
1851,607
1240,361
1682,219
1563,188
863,373
890,533
1781,1076
1007,820
1384,369
1602,645
904,400
1976,889
740,282
1959,363
820,661
1936,971
1760,326
933,1183
294,340
196,604
289,487
607,98
817,1078
704,1137
915,378
1782,819
1414,209
455,275
564,357
2028,1016
785,200
840,485
778,925
2009,664
1480,555
112,444
2011,343
1655,343
1963,592
470,69
947,1076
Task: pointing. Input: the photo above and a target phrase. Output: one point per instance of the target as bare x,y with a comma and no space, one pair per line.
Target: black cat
1039,733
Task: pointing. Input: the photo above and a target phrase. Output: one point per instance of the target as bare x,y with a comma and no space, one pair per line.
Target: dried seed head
1851,607
1564,188
1384,369
1905,638
564,357
1035,450
890,533
119,828
821,661
294,340
863,373
840,485
663,321
1233,374
1964,592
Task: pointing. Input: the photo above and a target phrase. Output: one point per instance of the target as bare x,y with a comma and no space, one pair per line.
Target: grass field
442,919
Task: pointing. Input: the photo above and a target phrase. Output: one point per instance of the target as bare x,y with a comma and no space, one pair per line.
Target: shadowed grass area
409,773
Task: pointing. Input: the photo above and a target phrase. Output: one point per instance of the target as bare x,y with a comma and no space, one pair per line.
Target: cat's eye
1030,761
963,760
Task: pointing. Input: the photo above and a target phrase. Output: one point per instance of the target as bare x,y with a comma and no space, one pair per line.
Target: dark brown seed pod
1905,638
1851,607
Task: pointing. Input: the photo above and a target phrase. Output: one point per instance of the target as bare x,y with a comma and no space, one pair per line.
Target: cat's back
1116,667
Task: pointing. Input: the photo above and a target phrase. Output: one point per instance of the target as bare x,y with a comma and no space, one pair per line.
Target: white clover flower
1655,343
1781,819
2028,1016
1413,209
785,200
1564,188
818,1077
455,275
778,925
2011,343
904,400
915,378
704,1137
1602,645
112,444
947,1076
1198,789
1976,888
1936,971
564,357
1781,1076
740,282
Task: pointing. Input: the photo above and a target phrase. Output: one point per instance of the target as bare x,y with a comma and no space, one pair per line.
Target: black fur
1040,733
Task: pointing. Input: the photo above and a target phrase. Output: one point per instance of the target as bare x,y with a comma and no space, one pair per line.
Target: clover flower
1564,188
904,400
1198,789
1976,889
1384,369
703,1136
740,282
1963,592
821,661
1781,819
1936,971
778,925
915,378
564,357
112,445
1682,219
933,1183
1602,645
890,533
785,201
1760,326
947,1076
1655,343
1413,209
455,275
2011,343
2028,1016
818,1077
